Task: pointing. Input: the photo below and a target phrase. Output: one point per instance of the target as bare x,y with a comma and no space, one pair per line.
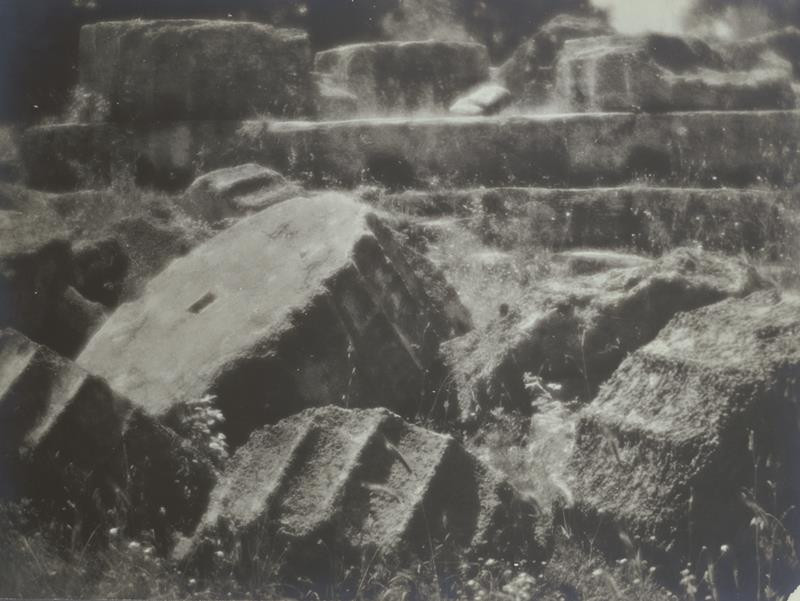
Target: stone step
707,149
356,481
645,219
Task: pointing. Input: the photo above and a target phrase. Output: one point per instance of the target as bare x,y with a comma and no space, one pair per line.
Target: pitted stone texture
401,77
185,70
359,481
309,302
674,437
664,73
702,149
576,331
236,191
530,72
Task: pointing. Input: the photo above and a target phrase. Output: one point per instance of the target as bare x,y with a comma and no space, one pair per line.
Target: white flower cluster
202,422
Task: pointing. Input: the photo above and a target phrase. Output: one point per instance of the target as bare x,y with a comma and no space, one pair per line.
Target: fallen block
309,302
694,434
357,481
81,452
575,331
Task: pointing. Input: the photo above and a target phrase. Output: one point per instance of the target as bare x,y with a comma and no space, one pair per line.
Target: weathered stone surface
168,156
530,73
670,446
704,149
681,149
67,440
274,315
53,415
359,481
236,191
576,331
183,70
663,73
486,99
400,77
643,219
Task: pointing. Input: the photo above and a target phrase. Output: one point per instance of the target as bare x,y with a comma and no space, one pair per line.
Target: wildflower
219,554
490,562
724,549
113,531
597,573
134,546
192,582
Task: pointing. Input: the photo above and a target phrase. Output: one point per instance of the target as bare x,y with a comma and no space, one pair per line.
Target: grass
39,558
33,564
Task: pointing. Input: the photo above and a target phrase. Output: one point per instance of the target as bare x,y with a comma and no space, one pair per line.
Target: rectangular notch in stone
202,302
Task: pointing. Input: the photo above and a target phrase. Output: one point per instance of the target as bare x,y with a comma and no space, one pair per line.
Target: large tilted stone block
357,481
68,440
309,302
696,429
183,70
403,77
575,332
705,149
663,73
